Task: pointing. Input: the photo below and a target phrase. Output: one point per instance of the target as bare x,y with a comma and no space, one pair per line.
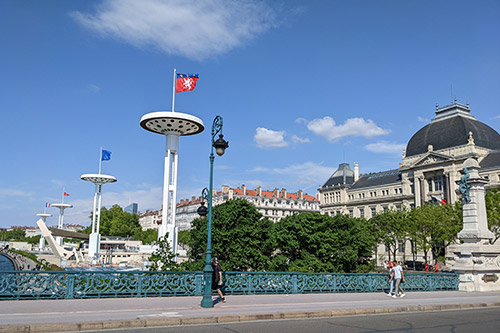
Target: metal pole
100,159
207,302
174,88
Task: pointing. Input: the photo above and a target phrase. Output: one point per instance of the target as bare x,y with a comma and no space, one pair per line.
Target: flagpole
173,91
100,160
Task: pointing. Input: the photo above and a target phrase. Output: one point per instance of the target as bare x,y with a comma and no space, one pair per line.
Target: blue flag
106,155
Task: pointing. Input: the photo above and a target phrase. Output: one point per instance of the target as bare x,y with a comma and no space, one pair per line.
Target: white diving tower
172,125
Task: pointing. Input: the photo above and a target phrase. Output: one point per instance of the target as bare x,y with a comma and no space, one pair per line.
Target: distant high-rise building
132,208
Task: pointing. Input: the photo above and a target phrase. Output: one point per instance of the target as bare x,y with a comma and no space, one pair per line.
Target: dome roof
342,176
450,128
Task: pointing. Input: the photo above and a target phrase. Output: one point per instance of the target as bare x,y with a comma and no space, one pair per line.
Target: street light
220,146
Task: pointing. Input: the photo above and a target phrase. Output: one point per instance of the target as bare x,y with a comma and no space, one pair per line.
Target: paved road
88,314
457,321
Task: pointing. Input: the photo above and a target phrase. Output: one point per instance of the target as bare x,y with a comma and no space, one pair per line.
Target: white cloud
266,138
423,120
195,29
296,139
299,175
94,88
386,147
327,128
10,192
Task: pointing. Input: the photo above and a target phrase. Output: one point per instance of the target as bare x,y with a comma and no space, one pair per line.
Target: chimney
193,198
283,193
225,189
243,189
300,194
230,194
276,192
356,171
259,191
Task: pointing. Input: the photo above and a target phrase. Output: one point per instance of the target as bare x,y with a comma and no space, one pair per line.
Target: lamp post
220,146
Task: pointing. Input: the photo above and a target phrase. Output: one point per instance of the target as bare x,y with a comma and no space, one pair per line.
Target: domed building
430,167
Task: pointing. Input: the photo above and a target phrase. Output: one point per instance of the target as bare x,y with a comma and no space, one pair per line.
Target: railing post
249,284
294,283
139,284
198,283
70,285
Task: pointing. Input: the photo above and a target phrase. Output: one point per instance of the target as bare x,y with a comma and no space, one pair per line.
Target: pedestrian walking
217,283
391,282
398,277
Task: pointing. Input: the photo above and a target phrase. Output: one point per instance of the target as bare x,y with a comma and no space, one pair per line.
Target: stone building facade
429,170
274,205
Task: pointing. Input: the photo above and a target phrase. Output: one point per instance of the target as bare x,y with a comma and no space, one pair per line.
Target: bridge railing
100,284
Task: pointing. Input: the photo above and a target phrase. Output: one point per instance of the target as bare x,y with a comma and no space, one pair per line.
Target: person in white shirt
398,276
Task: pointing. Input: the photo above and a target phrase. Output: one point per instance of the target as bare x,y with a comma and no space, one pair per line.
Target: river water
5,264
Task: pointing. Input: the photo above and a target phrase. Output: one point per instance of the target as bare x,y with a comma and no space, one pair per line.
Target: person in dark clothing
217,278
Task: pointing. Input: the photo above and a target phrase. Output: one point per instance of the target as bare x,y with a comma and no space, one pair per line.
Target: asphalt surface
116,313
453,321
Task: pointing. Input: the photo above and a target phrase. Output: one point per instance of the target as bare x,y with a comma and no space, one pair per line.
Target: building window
362,212
351,213
401,246
429,183
374,211
438,183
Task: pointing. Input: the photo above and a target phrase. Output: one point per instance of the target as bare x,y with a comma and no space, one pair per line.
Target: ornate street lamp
220,146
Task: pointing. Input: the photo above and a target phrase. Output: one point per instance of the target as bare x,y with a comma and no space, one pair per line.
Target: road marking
163,314
88,312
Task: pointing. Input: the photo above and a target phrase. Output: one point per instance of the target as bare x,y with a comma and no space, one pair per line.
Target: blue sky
301,85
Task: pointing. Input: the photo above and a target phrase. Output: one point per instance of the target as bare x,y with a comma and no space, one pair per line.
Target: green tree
13,235
437,227
162,258
183,237
241,238
493,212
116,222
146,236
391,227
312,242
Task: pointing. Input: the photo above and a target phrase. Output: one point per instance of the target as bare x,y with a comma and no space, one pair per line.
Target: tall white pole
174,89
94,210
99,200
166,181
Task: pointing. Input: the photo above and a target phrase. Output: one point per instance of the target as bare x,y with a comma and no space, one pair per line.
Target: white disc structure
62,207
172,125
94,237
44,216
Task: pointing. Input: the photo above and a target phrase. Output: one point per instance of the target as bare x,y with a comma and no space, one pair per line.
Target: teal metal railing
84,284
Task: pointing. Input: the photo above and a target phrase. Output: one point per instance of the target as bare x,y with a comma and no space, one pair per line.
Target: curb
159,322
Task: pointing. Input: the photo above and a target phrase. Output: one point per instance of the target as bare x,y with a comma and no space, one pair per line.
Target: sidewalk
95,314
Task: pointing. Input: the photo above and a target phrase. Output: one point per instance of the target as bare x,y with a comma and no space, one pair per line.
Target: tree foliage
162,258
391,227
493,211
116,222
311,242
431,228
241,238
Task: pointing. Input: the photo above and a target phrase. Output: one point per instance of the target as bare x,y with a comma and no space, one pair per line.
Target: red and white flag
185,82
